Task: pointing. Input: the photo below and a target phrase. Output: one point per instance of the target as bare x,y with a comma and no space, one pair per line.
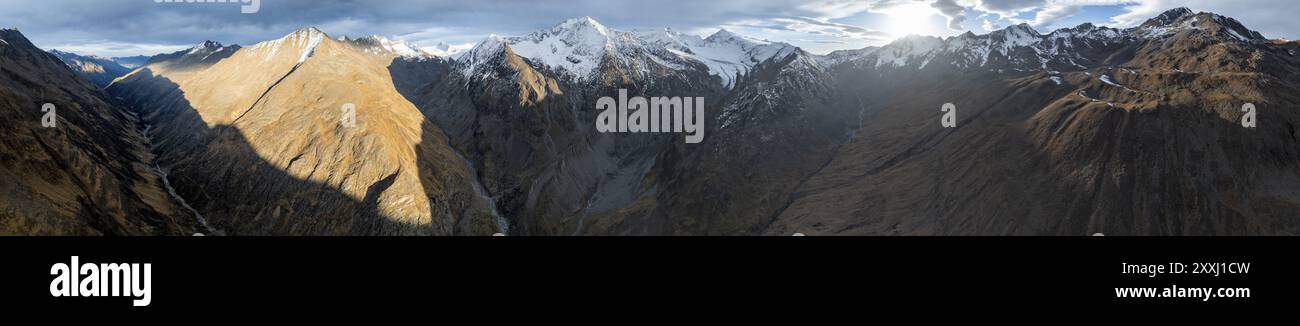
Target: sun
911,18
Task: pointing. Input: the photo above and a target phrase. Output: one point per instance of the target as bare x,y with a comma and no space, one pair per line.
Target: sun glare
911,18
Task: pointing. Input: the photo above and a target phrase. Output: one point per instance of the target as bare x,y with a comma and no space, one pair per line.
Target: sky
145,27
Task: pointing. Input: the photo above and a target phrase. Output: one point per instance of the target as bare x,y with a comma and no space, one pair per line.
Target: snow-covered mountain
376,44
1022,48
305,41
1181,20
445,50
727,54
841,56
577,47
477,59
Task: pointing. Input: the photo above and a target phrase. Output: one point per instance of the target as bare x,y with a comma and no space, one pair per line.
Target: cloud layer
116,28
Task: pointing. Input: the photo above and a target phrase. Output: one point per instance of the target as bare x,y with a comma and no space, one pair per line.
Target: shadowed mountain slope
256,141
90,174
1149,141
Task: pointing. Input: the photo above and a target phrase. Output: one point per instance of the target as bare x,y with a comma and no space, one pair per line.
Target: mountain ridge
90,172
1081,130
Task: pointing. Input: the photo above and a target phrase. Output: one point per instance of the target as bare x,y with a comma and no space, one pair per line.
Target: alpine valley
1076,131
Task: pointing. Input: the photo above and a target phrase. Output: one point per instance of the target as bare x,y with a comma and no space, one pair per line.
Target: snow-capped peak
842,56
489,46
726,36
1169,17
725,53
1018,35
582,23
722,35
1085,31
445,50
206,46
1022,48
728,54
577,46
480,54
673,40
903,50
306,39
376,44
1177,20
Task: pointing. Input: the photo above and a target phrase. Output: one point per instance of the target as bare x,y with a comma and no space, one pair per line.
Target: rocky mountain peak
575,46
305,35
376,44
1086,31
723,35
916,42
582,23
1220,24
578,47
1017,35
1022,28
9,36
209,44
205,47
1169,17
486,51
304,40
1178,20
842,56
